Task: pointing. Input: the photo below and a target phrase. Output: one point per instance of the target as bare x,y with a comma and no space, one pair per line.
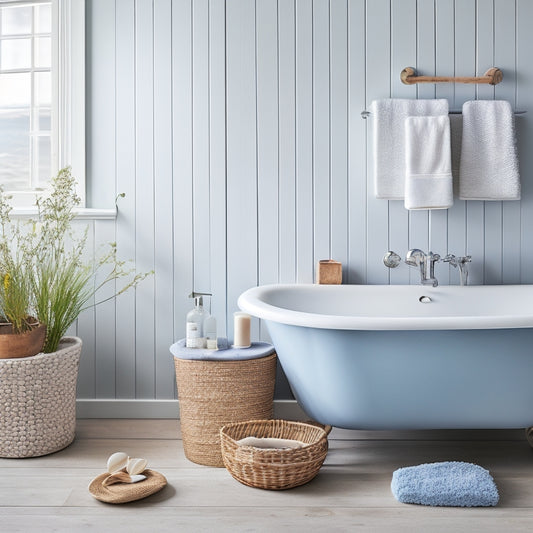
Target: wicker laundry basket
215,393
270,468
38,401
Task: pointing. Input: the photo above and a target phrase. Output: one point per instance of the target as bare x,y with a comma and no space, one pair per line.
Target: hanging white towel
456,135
428,163
389,140
489,158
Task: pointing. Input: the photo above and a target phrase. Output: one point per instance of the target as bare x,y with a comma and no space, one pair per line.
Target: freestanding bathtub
404,357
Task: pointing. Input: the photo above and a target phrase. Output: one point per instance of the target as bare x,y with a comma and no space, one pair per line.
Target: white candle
241,329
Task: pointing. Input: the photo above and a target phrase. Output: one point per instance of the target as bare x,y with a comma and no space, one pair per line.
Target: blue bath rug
450,484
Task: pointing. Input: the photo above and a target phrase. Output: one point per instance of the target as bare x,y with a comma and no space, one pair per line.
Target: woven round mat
127,492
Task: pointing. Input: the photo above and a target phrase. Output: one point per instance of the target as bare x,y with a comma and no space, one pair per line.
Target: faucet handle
391,259
450,258
465,259
415,257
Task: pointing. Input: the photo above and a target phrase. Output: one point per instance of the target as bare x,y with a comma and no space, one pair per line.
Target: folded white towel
489,159
270,443
456,134
389,141
428,163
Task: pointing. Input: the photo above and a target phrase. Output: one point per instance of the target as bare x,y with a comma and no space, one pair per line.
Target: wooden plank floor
351,492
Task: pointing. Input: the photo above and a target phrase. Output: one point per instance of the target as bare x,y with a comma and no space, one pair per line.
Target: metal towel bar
365,114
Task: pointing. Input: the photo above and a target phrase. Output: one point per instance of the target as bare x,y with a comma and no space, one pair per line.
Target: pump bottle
195,337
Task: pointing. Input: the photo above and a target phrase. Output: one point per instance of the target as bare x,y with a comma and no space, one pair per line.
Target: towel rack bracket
493,76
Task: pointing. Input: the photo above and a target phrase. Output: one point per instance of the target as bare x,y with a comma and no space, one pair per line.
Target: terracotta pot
16,345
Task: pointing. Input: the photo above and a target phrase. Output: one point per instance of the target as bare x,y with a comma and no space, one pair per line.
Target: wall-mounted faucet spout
426,264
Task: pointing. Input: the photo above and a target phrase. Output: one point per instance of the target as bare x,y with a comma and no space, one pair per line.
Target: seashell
136,466
121,477
117,462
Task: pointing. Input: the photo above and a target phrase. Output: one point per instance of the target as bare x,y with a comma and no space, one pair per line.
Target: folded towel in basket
389,140
489,159
271,443
428,163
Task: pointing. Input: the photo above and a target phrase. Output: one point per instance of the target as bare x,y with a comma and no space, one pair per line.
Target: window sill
85,213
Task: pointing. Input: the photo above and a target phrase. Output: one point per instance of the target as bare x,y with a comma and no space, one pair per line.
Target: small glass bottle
210,330
194,337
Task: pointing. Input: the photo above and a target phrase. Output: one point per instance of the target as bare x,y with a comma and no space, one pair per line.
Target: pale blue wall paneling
378,85
241,153
403,52
144,198
338,24
164,282
524,100
200,144
234,128
125,183
357,144
304,141
182,169
321,130
287,141
268,121
217,162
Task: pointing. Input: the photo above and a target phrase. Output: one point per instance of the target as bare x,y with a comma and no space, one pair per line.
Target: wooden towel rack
493,76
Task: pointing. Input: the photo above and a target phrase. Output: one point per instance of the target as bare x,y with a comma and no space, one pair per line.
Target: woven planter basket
215,393
273,469
38,401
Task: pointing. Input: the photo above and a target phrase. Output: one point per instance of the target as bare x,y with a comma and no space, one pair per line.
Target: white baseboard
287,409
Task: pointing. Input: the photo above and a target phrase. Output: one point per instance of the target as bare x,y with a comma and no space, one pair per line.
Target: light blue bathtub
376,357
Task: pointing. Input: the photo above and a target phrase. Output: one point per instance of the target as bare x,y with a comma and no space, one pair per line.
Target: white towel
489,159
428,163
456,134
271,443
389,141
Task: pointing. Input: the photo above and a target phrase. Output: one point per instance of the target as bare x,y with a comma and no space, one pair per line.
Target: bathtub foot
529,436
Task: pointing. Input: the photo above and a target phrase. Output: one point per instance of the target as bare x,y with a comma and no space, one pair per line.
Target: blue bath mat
451,484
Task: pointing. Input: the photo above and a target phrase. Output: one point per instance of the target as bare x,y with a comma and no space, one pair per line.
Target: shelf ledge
85,213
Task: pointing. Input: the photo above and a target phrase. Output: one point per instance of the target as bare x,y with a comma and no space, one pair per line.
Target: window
41,84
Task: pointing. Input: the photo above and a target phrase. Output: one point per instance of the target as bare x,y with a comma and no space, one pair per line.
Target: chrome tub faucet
426,264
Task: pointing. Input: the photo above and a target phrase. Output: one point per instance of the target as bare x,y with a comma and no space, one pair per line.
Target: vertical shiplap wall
234,128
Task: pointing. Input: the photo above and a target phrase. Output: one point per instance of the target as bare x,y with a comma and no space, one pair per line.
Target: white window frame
68,93
68,59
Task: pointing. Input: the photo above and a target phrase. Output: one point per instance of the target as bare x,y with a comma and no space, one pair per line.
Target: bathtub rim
252,302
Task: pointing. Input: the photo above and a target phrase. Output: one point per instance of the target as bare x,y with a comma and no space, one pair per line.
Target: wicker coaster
127,492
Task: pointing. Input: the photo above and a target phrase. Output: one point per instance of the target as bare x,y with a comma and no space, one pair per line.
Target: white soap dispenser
194,337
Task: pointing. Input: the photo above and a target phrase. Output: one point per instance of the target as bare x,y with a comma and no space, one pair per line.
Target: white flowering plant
15,274
43,265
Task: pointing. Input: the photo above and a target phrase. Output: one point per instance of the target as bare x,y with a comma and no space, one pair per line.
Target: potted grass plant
46,281
21,334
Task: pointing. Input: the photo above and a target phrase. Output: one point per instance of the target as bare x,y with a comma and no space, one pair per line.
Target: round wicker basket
214,393
273,469
38,401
